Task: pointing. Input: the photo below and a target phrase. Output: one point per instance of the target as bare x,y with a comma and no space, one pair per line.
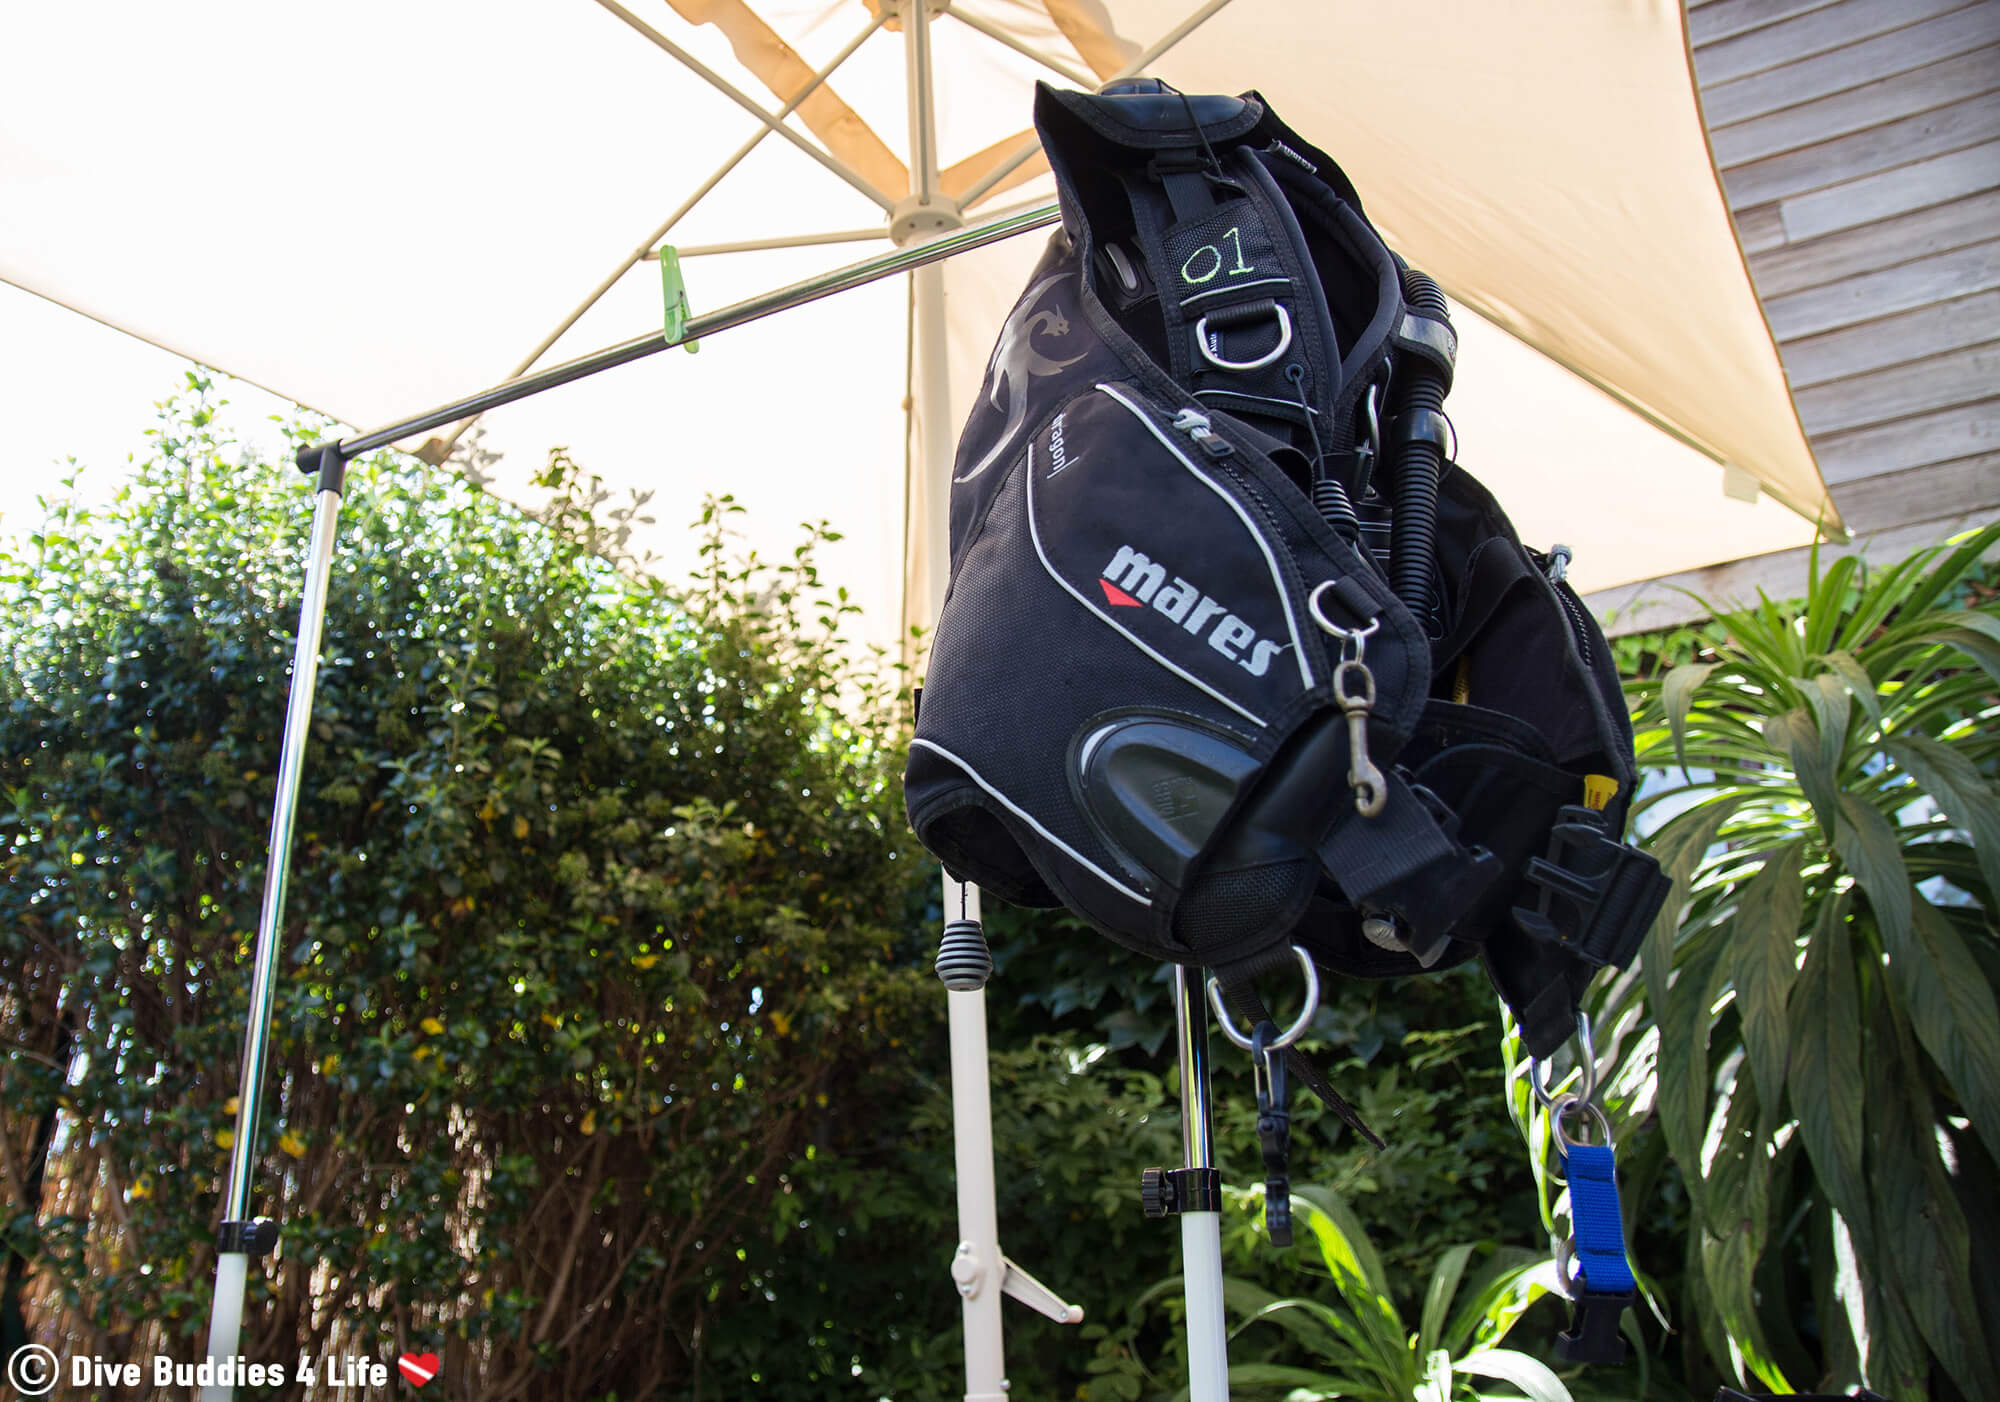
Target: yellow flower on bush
644,961
432,1026
225,1138
292,1144
589,1125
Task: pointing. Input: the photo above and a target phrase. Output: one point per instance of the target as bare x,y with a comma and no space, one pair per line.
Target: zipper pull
1194,424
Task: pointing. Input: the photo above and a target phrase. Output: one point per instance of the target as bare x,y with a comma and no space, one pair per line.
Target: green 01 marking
1234,238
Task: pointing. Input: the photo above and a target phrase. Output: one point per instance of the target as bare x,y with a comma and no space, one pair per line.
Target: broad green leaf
1530,1375
1331,1333
1951,568
1683,1062
1862,686
1868,848
1826,600
1974,634
1678,848
1796,736
1922,1229
1952,1010
1736,1224
1436,1384
1825,1073
1960,791
1307,1385
1445,1277
1495,1297
1832,706
1342,1242
1676,695
1763,961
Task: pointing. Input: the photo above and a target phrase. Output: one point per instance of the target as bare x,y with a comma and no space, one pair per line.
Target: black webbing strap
1404,861
1241,998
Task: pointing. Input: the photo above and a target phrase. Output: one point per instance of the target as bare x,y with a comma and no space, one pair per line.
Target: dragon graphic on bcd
1014,359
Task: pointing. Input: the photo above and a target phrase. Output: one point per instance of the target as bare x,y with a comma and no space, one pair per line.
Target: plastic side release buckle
1592,896
1606,1275
1274,1132
1592,1336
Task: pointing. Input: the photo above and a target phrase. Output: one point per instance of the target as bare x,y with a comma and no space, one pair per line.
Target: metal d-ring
1566,1258
1586,1065
1290,1034
1560,1111
1284,344
1355,638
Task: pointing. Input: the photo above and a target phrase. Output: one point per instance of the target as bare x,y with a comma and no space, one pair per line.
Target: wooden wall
1859,147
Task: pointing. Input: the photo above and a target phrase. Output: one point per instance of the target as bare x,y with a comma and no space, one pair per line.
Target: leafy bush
594,934
1812,1028
1362,1348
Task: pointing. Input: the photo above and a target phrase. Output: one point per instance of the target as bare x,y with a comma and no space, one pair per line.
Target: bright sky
70,387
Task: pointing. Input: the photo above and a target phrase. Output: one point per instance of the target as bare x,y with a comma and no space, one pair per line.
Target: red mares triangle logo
1118,597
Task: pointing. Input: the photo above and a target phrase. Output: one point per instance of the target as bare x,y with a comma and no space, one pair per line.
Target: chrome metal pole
1201,1229
232,1264
736,314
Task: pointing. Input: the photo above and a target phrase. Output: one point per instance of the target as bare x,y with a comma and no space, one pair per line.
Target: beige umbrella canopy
383,206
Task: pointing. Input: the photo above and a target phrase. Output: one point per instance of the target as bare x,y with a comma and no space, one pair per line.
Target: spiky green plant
1359,1344
1812,1026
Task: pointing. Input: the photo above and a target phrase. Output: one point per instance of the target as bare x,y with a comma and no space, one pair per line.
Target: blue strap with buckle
1600,1226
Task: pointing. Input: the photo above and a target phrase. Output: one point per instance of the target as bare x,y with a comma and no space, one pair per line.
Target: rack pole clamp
257,1237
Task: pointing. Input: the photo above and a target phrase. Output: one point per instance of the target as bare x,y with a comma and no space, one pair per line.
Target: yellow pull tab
1598,791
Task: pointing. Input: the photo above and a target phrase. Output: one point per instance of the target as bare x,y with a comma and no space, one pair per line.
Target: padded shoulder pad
1154,120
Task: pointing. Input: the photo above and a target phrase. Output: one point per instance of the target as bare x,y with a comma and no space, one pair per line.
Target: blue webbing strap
1600,1227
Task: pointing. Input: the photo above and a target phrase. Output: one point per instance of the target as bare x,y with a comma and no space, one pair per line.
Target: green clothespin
678,314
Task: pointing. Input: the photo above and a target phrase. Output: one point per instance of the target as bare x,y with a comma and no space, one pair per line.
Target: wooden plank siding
1858,147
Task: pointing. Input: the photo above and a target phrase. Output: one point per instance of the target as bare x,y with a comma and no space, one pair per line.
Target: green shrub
595,928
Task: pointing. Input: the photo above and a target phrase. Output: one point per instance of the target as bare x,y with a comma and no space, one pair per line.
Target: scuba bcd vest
1234,657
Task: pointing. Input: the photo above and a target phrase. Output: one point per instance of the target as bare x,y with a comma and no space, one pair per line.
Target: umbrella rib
736,314
1002,37
1026,150
748,104
438,448
702,250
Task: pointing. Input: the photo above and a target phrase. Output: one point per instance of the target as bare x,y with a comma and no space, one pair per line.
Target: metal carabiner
1586,1065
1290,1034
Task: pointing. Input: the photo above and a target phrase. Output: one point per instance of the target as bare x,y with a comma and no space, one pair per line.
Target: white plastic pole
1201,1231
977,1268
232,1268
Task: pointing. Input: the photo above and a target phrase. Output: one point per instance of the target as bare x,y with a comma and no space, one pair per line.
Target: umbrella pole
1201,1219
977,1267
240,1237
